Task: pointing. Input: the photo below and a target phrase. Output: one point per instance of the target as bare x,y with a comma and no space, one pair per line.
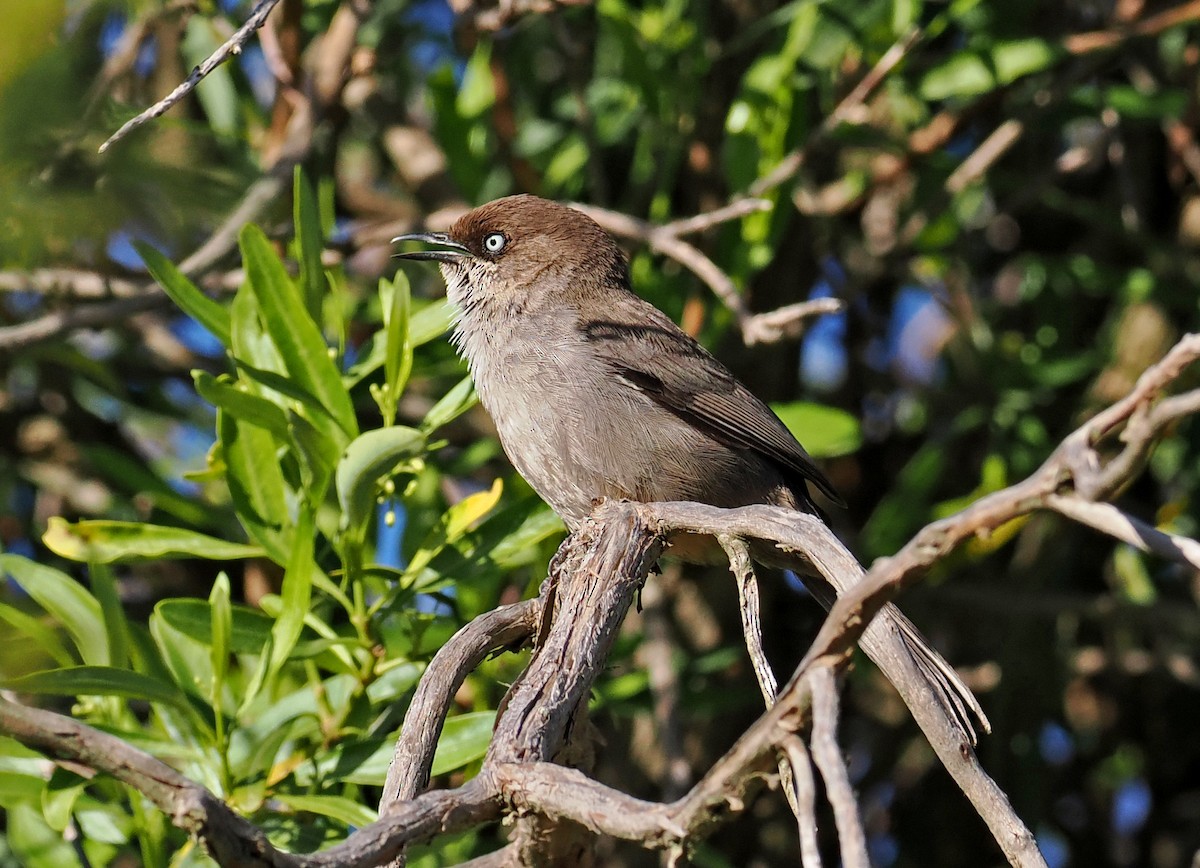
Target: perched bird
597,393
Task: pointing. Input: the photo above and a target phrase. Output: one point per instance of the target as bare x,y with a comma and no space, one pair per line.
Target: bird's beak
455,253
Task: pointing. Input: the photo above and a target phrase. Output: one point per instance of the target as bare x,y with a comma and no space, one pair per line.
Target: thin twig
787,168
828,758
233,45
806,800
748,599
1109,520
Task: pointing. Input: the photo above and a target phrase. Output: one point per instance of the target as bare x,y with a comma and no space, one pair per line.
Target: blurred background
1009,210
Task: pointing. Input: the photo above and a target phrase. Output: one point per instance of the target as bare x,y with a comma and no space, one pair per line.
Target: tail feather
953,692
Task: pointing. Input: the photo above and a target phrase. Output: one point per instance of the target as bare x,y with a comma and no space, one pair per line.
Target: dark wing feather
686,379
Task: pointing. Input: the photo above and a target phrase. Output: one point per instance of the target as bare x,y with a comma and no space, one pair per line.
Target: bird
596,393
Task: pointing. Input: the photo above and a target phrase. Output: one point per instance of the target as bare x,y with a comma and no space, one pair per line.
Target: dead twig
233,45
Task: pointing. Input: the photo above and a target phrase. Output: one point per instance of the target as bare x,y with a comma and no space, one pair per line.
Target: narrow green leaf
451,526
186,294
318,457
221,632
296,593
398,362
249,628
465,738
106,542
368,459
43,636
292,331
251,343
430,322
453,404
307,220
280,387
116,628
66,600
241,403
97,681
339,808
256,484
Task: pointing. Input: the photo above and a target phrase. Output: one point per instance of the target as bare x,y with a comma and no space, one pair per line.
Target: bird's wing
680,375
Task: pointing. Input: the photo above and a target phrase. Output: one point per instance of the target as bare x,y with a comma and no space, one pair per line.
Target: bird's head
521,250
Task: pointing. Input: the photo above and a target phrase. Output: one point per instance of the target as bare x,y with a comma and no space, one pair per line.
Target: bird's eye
494,242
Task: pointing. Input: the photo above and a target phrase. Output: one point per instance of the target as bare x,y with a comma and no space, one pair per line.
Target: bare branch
709,219
1109,520
806,800
787,168
755,328
748,599
470,646
233,45
828,757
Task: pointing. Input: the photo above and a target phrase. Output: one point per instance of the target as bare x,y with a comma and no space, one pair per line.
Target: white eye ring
494,242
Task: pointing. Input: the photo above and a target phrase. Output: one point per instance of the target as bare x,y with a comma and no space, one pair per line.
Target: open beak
455,252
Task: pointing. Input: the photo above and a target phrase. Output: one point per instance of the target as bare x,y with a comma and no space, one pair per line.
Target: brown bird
597,393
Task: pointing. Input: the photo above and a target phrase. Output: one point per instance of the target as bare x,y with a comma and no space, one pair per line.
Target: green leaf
58,799
465,738
451,526
430,322
967,74
45,637
66,600
398,362
256,484
823,431
220,634
307,219
279,387
339,808
116,629
242,404
293,332
184,293
296,593
97,681
453,404
107,542
427,324
249,628
368,459
318,457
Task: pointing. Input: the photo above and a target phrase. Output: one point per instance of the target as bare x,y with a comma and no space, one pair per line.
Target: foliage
286,709
1010,216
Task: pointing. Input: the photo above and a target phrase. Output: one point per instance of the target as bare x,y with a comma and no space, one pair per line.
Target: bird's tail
953,693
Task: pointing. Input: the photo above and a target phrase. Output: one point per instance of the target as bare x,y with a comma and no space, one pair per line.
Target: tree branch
233,45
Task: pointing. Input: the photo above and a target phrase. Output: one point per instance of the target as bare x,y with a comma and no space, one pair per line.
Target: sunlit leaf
108,542
292,330
306,219
339,808
824,431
